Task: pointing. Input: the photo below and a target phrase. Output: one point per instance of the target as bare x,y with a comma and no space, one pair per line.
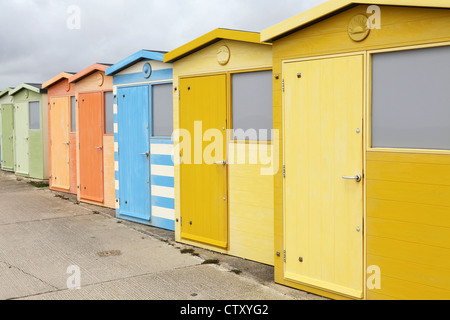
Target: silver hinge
282,85
284,255
284,171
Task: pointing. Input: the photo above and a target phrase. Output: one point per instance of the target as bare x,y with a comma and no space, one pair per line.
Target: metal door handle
357,178
145,154
66,143
100,148
223,162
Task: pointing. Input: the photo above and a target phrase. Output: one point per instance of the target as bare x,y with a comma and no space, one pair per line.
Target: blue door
134,152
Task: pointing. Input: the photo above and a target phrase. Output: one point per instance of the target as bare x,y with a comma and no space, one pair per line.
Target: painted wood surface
250,198
204,187
246,239
30,147
408,224
60,142
21,139
400,26
322,210
159,195
91,124
7,137
92,80
162,183
58,88
134,154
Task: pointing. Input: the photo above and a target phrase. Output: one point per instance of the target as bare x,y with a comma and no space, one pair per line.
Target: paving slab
43,234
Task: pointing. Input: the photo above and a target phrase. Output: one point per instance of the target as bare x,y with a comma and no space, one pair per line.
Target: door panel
60,142
91,126
204,187
8,137
21,139
323,112
134,155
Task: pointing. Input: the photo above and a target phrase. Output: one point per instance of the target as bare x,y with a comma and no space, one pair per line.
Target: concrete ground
44,233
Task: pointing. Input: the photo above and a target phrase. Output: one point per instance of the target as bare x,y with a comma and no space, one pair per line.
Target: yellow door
323,198
203,106
59,122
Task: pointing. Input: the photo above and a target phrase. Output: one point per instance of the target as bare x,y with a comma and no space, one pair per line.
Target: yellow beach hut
362,102
223,101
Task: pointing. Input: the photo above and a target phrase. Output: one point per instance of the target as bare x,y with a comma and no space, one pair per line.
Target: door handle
66,143
223,162
99,148
358,178
145,154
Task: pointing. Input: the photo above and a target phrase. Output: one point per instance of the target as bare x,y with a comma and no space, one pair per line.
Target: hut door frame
21,138
9,138
60,141
88,148
130,202
204,187
306,261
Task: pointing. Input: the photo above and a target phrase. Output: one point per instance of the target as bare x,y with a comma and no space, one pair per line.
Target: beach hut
143,122
222,99
362,101
94,135
30,131
62,133
6,131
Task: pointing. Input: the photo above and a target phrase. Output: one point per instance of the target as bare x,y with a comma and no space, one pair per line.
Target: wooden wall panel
408,224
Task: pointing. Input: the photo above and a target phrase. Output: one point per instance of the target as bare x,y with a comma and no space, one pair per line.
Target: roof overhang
135,58
88,71
332,7
35,87
59,77
210,38
5,92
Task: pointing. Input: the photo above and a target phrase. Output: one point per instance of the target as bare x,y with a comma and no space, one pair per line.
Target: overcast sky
37,44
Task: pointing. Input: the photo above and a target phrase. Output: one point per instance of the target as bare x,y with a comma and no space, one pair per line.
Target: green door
21,139
7,137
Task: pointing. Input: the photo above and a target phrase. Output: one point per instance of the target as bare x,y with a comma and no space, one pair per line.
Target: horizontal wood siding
408,224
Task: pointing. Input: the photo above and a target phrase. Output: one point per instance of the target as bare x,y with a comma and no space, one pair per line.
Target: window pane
35,115
109,113
411,99
252,105
73,114
162,110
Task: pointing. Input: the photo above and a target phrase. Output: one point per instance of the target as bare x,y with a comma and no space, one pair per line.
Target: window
35,115
73,110
162,110
411,99
252,106
109,113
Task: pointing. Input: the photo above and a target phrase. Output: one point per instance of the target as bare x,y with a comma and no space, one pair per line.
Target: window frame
231,136
151,113
369,98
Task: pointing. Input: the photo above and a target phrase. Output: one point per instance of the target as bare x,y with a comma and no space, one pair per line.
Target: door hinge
282,85
284,171
284,255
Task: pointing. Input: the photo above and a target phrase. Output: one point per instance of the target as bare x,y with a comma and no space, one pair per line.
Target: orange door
59,116
90,119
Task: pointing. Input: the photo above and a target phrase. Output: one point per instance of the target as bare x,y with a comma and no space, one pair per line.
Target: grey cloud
35,43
